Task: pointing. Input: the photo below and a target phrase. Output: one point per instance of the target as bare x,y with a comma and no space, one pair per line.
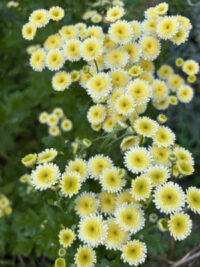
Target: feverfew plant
116,204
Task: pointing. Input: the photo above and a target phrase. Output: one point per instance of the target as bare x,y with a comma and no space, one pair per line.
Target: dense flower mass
111,200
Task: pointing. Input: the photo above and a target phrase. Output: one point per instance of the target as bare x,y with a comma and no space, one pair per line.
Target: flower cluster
150,177
56,121
114,202
5,206
120,75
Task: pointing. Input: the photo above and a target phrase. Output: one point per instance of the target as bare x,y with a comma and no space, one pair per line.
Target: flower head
92,230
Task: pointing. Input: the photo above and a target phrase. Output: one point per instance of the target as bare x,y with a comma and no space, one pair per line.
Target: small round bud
179,61
85,69
60,262
61,252
163,225
153,217
161,118
191,79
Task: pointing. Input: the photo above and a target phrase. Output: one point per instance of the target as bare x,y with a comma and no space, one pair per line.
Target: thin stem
95,62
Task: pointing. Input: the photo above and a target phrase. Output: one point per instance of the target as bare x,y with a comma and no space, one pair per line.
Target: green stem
95,62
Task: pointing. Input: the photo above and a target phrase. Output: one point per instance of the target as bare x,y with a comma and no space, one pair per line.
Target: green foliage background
28,237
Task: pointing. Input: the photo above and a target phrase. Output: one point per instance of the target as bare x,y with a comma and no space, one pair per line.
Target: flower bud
163,225
161,118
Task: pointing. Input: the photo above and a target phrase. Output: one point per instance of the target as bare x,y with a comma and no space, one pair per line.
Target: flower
91,49
133,50
137,159
190,67
45,175
108,44
53,41
164,137
39,18
96,114
145,126
185,22
136,26
66,237
70,183
117,58
183,154
193,199
185,167
78,165
75,75
116,236
175,81
165,71
29,160
125,197
180,37
56,13
54,131
86,204
110,180
150,47
167,27
85,257
139,90
52,120
161,105
66,125
115,13
72,50
96,18
28,31
37,59
161,9
55,59
129,217
191,79
119,77
47,155
180,225
124,104
92,230
99,86
158,174
129,142
58,112
109,124
185,93
68,32
135,71
97,164
95,31
159,90
146,65
169,197
134,252
121,32
61,81
141,188
107,202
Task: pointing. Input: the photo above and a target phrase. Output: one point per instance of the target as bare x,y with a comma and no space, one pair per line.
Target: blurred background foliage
28,237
